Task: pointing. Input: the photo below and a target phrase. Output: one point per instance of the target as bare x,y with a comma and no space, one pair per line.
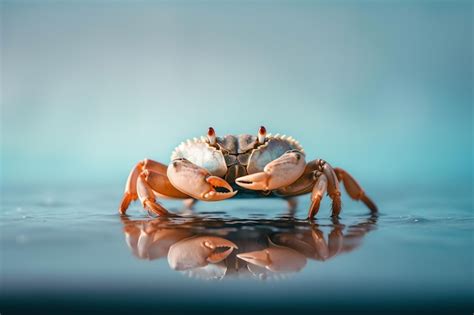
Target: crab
214,168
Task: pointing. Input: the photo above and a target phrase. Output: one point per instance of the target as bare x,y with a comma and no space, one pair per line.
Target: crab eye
262,133
211,136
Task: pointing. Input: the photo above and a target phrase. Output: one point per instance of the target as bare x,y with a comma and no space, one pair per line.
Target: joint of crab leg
262,133
154,166
211,136
280,172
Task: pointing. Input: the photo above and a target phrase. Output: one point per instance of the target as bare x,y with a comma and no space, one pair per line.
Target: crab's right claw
280,172
197,182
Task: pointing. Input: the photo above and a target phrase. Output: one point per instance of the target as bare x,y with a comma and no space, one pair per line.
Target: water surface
67,250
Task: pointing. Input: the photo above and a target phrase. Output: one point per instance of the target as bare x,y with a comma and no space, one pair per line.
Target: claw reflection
199,251
211,248
276,258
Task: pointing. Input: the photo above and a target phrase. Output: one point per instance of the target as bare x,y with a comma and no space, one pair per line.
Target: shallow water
67,249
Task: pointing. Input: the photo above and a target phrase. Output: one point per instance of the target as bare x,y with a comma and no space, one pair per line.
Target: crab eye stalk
262,133
211,136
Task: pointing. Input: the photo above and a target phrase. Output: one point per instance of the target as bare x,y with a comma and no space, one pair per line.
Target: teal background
381,88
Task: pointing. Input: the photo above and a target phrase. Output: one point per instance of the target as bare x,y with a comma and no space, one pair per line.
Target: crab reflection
212,248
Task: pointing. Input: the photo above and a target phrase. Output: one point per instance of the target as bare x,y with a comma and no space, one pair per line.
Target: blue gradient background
380,88
383,89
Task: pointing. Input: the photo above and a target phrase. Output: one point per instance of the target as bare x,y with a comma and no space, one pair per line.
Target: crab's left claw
199,251
276,258
197,182
280,172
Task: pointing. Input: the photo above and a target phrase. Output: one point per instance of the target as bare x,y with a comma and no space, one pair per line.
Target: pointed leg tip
336,206
125,203
374,209
314,208
155,208
369,203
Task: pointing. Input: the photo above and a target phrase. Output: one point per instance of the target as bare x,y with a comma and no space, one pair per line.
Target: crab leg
147,198
332,183
320,244
335,241
333,187
162,185
278,173
318,192
197,182
130,193
302,185
147,165
354,190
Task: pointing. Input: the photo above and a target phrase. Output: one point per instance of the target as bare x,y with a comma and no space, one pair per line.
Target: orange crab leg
318,192
147,197
130,193
154,166
158,182
162,185
354,190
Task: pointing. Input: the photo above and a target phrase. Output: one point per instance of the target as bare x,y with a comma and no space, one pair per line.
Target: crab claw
199,251
276,258
197,182
280,172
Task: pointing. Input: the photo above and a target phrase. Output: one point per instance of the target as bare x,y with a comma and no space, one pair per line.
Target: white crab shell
231,150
